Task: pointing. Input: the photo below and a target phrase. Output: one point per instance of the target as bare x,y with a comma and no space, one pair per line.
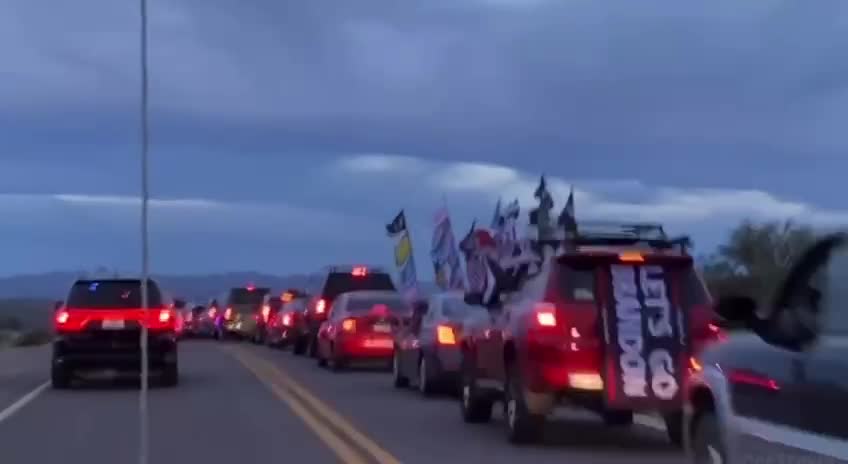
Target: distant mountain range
54,285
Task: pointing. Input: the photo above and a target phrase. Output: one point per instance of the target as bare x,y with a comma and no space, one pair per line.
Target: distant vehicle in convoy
360,327
281,325
270,306
199,322
182,318
324,288
609,325
775,390
427,351
98,328
240,317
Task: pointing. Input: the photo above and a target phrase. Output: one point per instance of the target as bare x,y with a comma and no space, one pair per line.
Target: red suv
609,326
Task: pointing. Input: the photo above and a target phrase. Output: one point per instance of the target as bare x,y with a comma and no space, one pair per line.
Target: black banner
646,339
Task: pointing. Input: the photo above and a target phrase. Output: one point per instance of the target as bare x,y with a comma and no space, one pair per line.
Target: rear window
396,304
197,310
343,282
577,284
457,308
298,304
112,294
275,303
243,296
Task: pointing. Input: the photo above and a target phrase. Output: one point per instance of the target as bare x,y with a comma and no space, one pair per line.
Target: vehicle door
825,364
329,328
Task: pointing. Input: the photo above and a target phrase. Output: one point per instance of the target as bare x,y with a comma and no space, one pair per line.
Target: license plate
113,324
379,343
384,328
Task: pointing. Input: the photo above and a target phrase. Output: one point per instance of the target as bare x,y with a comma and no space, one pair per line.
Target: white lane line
650,422
23,401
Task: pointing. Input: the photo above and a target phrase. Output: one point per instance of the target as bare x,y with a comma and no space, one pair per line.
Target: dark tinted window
112,294
577,283
831,284
298,304
695,292
275,303
243,296
197,310
179,304
396,304
457,308
343,282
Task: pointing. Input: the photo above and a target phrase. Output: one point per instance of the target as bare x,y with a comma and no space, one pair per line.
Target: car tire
171,375
522,425
674,427
299,346
707,442
312,347
425,384
618,418
337,363
398,379
319,359
60,378
476,408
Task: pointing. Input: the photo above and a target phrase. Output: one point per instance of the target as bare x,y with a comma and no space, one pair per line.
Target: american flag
476,274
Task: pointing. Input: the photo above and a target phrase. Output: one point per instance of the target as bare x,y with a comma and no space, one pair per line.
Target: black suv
99,327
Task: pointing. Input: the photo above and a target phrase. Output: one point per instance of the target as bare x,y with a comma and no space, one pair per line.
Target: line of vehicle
320,417
23,401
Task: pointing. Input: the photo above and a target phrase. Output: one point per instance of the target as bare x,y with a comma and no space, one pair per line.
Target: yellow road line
346,453
329,414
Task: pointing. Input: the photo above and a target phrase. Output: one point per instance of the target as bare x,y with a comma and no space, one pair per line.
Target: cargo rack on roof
610,234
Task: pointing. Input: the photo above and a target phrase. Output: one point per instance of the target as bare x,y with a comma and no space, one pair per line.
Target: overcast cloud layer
285,134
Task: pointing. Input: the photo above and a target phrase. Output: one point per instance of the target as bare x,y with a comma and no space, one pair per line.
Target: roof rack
645,235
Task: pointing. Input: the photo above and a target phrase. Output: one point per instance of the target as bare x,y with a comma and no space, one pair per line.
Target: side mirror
57,305
738,312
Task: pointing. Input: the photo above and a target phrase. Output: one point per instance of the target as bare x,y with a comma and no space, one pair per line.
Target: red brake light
349,325
164,315
445,335
212,313
286,297
380,310
228,313
753,379
251,287
266,311
321,306
62,317
359,271
287,319
546,315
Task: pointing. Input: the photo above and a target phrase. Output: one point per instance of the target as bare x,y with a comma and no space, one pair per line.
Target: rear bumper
97,351
366,347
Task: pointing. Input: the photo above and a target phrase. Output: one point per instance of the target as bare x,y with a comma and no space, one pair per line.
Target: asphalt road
248,404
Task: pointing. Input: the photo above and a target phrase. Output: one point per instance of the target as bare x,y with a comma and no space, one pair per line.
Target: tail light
380,310
228,314
287,319
165,316
445,335
62,317
320,306
266,311
716,332
212,313
546,315
349,325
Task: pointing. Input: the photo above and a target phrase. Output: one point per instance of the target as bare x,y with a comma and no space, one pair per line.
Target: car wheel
337,362
476,408
298,346
522,425
618,418
60,378
320,359
398,378
312,350
674,427
171,375
707,444
425,385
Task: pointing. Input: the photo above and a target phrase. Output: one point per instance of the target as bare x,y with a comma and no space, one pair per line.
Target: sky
286,134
